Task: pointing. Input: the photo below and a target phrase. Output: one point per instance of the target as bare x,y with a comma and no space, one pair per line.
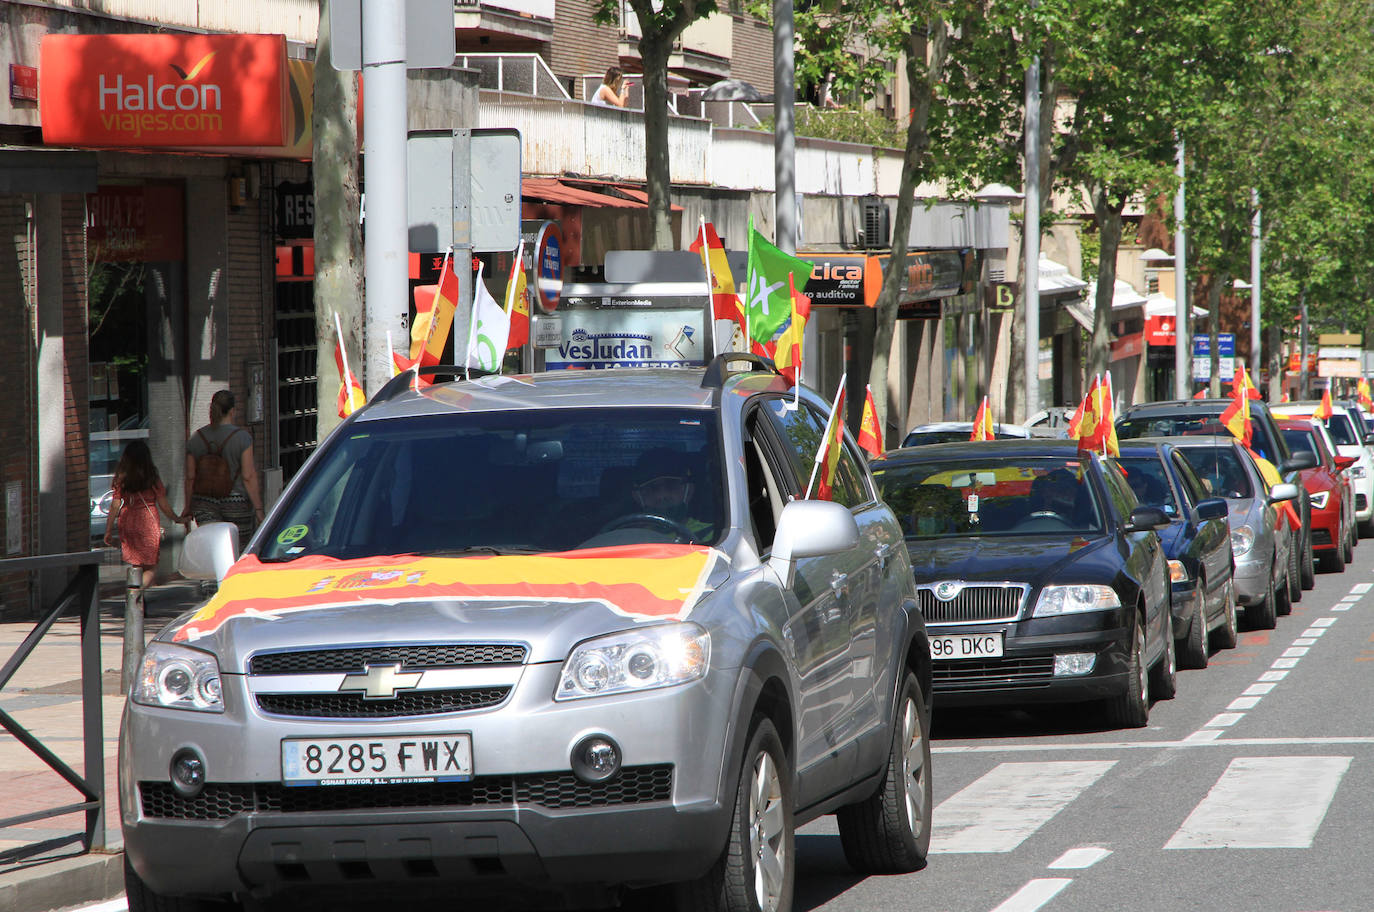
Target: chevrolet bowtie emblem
380,682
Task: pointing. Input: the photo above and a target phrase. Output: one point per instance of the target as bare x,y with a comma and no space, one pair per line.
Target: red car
1329,490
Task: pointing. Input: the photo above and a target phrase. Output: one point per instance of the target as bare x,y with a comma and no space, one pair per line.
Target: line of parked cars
1050,575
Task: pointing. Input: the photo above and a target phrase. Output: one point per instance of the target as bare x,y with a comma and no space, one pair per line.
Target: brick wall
579,45
752,58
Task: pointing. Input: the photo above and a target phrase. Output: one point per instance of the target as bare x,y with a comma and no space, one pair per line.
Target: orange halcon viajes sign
162,90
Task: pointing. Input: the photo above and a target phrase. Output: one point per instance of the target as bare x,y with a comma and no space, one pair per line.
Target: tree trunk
921,88
338,236
1107,214
1215,283
653,52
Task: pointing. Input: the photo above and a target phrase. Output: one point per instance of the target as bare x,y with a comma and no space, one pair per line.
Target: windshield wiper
481,549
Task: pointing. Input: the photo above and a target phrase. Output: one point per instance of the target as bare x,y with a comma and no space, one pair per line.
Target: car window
1001,495
1300,441
921,438
1341,430
518,480
1148,478
1221,469
1193,488
1119,492
802,431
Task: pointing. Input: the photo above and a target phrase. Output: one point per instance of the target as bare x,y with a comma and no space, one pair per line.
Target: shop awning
1055,280
1160,305
568,193
1125,298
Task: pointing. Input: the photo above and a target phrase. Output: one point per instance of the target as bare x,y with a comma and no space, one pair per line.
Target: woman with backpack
221,480
138,496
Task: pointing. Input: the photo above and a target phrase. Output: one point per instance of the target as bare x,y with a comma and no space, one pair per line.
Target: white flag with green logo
490,329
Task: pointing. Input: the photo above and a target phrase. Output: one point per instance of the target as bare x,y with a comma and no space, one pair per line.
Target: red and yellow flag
434,307
351,396
982,423
725,302
1236,416
1242,382
870,434
517,302
1362,395
1324,410
828,457
1084,425
787,349
1107,420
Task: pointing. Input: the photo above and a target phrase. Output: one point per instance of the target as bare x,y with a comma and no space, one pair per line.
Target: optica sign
162,90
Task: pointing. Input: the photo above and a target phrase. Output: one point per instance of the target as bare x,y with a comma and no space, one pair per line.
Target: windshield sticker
292,534
647,582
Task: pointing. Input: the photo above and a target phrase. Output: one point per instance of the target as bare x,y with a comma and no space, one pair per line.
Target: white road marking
1340,607
998,811
1077,859
1201,738
1304,641
1315,631
1222,720
1263,803
1285,663
1206,734
1351,598
1034,894
1361,588
1243,703
1273,676
114,905
1257,690
1295,652
1323,622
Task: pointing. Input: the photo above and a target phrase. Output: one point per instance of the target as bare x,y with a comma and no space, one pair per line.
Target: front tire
889,832
1164,676
1308,574
1192,649
1131,709
1263,616
756,871
1283,599
1226,636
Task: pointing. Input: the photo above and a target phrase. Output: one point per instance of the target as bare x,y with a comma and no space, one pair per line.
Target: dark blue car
1197,543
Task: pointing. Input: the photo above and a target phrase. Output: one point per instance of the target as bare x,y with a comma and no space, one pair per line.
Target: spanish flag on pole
1324,410
1236,417
1362,394
1083,425
434,315
870,434
787,350
1107,423
982,423
1242,381
351,396
725,303
828,456
517,302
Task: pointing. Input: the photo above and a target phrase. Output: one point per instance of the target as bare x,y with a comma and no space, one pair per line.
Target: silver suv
570,633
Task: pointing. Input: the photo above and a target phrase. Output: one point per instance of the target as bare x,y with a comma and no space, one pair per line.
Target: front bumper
524,819
1326,531
1252,578
1025,671
1184,599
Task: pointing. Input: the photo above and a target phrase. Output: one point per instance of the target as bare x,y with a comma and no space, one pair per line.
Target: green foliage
1091,244
846,125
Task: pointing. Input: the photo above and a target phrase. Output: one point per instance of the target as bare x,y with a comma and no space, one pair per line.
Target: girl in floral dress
138,496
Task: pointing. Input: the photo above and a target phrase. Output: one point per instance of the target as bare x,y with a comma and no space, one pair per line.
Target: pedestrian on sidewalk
221,479
138,496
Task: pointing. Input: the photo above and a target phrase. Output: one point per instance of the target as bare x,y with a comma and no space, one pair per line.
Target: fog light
1074,663
596,758
188,772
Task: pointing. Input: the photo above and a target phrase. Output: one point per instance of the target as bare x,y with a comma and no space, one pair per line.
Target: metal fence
521,74
82,595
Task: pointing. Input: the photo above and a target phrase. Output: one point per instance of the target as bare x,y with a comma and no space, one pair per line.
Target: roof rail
717,372
402,381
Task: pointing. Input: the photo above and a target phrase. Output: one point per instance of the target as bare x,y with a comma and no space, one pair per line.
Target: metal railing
522,74
81,593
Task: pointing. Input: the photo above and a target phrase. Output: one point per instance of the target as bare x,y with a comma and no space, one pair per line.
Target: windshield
921,438
1221,470
508,482
1195,419
1146,476
1023,495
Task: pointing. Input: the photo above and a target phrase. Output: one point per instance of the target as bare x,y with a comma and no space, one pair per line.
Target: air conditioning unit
997,266
877,232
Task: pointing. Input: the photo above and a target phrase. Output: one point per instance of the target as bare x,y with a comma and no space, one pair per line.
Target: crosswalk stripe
1263,803
998,811
1034,894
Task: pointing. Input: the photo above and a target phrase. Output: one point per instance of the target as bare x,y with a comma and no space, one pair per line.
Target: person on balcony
614,89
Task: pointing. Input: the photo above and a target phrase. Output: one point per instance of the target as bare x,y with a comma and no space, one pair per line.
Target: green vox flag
767,302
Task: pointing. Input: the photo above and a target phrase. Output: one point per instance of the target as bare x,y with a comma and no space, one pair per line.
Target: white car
957,431
1349,440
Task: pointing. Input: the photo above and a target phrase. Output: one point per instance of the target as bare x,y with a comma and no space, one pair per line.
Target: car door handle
884,552
839,582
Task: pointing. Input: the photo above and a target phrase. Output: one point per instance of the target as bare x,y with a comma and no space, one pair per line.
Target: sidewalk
45,697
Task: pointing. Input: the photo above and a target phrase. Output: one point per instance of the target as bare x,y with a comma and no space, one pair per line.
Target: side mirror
209,551
1147,519
811,528
1345,462
1213,508
1299,461
1283,491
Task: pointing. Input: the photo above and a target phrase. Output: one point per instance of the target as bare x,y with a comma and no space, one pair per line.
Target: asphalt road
1249,792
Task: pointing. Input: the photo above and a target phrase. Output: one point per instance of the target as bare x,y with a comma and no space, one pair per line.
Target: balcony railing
519,74
540,9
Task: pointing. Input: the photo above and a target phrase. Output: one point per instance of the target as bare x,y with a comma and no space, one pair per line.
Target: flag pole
820,451
792,302
472,326
343,355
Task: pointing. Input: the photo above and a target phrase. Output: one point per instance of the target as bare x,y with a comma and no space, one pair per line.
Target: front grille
973,674
222,800
973,604
410,658
405,703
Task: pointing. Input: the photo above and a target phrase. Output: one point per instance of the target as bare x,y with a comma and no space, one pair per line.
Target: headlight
1320,498
1242,540
1056,600
641,659
1356,471
1177,572
178,677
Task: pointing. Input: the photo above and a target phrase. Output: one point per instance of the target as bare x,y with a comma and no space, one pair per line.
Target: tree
661,22
338,235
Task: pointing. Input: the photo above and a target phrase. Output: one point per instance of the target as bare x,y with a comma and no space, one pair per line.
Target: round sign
548,266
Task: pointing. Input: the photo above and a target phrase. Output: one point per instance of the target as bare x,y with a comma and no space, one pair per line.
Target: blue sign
1226,352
